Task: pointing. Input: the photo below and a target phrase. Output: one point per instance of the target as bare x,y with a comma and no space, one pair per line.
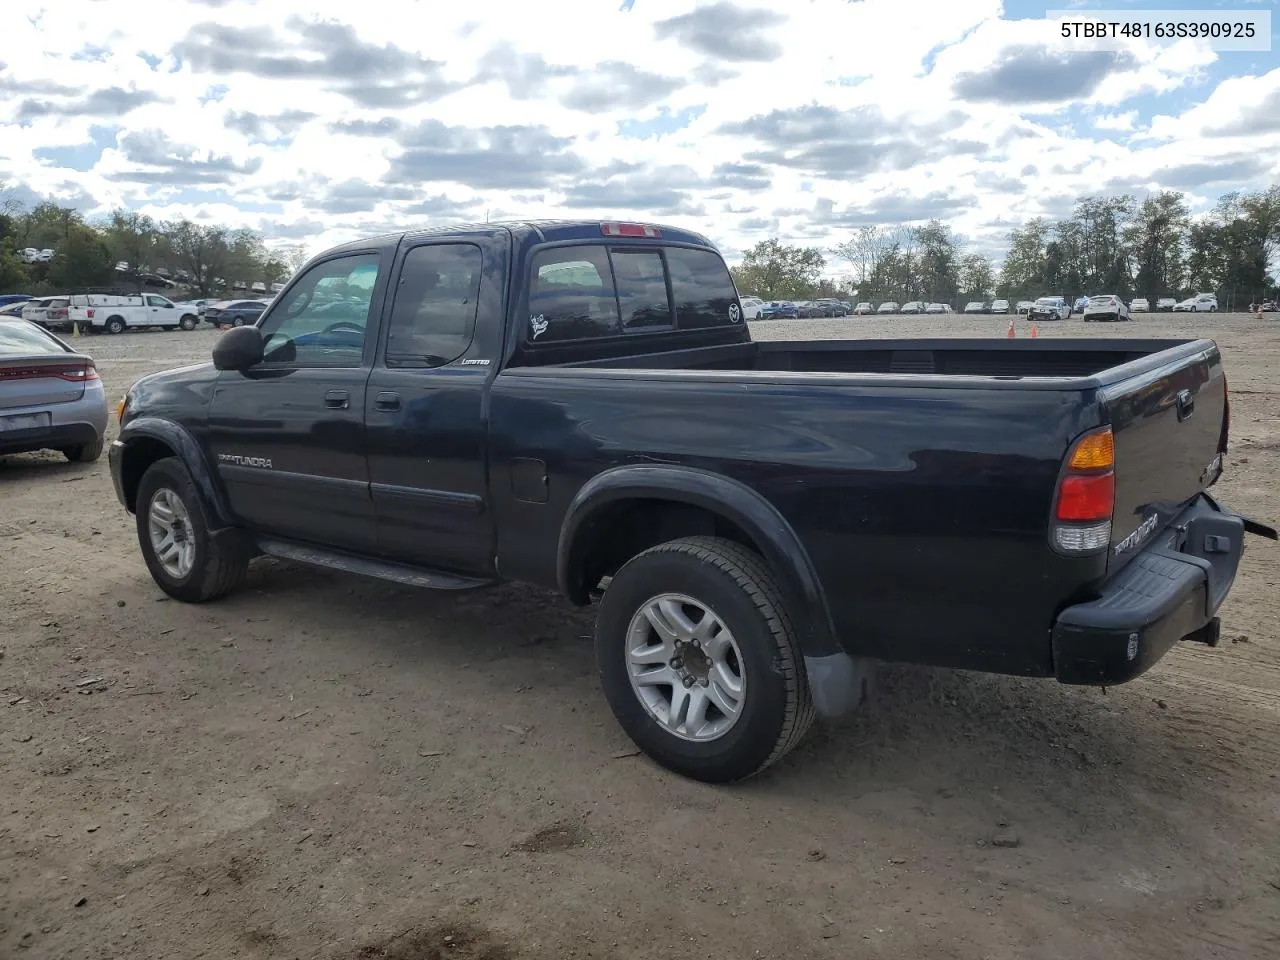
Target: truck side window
434,315
702,288
322,321
571,296
642,288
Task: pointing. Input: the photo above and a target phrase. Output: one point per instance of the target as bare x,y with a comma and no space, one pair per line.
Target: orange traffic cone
1034,331
1012,333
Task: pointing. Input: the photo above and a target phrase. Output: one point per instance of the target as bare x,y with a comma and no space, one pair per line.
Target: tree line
203,258
1108,245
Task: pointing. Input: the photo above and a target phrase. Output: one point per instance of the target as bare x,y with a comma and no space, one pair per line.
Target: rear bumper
1171,591
57,436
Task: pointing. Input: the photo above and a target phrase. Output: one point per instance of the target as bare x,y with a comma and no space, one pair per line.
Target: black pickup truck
580,405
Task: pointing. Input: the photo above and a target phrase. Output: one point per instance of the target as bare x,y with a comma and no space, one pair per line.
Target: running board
366,567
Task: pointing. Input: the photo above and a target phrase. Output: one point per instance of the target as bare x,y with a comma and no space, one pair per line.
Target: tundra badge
262,463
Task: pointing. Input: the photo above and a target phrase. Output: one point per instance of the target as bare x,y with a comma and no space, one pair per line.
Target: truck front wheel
187,560
699,662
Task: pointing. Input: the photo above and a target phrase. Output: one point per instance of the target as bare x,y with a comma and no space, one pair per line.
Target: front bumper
115,454
1171,591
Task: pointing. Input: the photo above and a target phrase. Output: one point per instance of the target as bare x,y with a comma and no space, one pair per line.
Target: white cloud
325,121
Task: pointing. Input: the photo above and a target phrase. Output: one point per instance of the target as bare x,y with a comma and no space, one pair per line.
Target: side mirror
169,306
238,349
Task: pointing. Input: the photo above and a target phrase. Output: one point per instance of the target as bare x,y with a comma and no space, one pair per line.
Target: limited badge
734,313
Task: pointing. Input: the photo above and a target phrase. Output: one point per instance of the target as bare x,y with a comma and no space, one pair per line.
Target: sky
318,121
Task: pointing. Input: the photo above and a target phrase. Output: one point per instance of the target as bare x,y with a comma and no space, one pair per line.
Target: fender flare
729,498
184,445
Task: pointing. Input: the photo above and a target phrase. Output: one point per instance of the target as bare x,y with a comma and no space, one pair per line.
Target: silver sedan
51,397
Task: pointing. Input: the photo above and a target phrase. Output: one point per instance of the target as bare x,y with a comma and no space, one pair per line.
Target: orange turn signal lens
1094,451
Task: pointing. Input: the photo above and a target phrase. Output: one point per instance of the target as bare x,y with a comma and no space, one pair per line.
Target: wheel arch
148,439
683,497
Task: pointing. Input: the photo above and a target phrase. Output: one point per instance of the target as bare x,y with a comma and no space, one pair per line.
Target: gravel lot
322,766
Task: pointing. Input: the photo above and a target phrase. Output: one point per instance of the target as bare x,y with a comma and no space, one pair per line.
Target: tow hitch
1209,634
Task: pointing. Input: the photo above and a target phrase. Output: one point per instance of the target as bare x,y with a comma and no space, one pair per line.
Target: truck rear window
572,295
593,290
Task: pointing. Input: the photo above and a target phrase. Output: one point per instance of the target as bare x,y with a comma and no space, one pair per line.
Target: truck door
424,410
287,436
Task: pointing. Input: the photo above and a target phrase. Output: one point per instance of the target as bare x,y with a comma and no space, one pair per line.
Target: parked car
1080,304
1200,303
1139,305
999,306
976,306
234,312
938,308
752,307
37,311
913,307
1049,308
863,309
889,306
1267,306
8,298
1108,307
780,310
13,309
1070,527
103,312
832,308
1022,309
1166,303
51,396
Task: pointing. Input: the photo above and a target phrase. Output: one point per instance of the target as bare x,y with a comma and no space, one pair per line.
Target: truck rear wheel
699,662
187,560
115,325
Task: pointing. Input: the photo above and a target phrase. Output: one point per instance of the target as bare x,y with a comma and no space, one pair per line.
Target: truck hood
157,393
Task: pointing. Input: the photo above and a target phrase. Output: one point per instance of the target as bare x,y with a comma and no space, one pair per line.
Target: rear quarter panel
923,509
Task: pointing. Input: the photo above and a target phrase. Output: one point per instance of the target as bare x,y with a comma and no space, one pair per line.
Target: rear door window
434,314
702,289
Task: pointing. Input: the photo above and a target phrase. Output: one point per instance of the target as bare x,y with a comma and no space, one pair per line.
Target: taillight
78,373
1086,496
629,230
89,313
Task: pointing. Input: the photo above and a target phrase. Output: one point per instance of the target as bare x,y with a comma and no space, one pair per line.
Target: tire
218,563
115,325
187,323
736,585
85,452
238,322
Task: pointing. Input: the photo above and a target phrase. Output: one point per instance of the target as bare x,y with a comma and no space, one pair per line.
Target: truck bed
908,468
1005,359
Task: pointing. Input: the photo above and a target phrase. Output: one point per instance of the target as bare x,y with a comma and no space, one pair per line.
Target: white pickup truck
98,311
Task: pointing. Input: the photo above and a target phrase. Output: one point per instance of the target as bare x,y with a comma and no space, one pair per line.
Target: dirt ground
328,767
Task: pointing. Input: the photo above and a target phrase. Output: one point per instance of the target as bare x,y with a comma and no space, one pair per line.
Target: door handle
337,399
1186,402
386,401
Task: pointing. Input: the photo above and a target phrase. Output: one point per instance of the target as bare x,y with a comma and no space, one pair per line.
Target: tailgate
1170,431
